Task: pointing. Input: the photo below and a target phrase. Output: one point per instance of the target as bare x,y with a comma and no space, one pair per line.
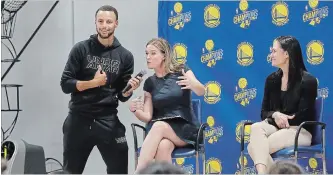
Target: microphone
140,74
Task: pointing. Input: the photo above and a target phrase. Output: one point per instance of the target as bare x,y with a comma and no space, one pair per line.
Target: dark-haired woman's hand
282,119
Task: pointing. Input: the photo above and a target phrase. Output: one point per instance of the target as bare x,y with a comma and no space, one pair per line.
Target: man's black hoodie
84,58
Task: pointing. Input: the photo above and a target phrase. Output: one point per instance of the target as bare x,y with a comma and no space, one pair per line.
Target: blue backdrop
226,44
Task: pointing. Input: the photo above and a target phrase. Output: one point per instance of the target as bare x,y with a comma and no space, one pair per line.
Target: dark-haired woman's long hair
296,63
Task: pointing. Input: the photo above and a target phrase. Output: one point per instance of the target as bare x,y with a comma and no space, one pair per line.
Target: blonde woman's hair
170,64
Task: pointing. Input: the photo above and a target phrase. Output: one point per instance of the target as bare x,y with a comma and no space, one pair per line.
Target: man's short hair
107,8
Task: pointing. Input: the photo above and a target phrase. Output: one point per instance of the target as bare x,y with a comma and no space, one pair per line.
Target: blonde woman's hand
136,104
185,81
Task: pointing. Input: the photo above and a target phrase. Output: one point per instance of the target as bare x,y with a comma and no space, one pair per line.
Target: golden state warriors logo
313,165
214,133
212,92
211,56
245,54
315,52
188,168
179,19
180,161
280,13
247,170
247,131
212,15
244,159
316,14
180,53
322,92
244,96
269,58
245,18
213,166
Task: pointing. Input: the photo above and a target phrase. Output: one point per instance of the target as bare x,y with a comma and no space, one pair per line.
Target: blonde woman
167,105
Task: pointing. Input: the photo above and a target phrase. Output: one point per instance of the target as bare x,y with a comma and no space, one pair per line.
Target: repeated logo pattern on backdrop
227,45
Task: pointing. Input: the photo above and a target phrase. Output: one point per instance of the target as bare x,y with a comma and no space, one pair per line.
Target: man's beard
105,37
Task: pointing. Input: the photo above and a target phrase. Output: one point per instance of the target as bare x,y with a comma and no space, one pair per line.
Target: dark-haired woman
289,99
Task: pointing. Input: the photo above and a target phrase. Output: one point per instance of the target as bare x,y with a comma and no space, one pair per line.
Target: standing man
97,71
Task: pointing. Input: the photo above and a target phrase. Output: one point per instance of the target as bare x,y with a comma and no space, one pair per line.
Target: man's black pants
82,134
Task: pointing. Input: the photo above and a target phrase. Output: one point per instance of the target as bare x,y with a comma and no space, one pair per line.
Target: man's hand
100,77
98,80
135,83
